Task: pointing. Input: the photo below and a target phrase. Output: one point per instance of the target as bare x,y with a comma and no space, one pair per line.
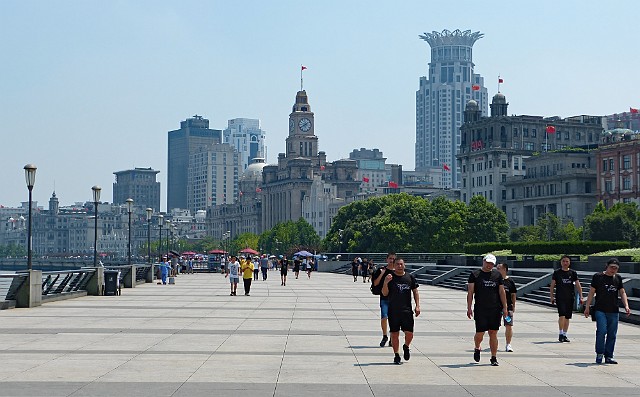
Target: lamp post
168,225
174,238
96,199
129,210
160,222
149,213
30,176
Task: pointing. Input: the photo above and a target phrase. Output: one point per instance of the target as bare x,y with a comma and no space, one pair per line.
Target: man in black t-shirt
606,287
399,287
566,284
510,292
378,277
486,284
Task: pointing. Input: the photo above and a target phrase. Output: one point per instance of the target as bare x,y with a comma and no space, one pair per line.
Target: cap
490,258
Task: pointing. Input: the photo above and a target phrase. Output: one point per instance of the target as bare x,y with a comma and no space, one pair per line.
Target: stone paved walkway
316,337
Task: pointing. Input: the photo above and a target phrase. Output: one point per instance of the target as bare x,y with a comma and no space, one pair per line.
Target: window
567,210
515,132
490,179
464,182
626,162
529,146
514,214
504,164
490,164
567,188
516,164
587,187
626,183
525,132
534,133
611,165
490,194
604,164
578,136
566,135
503,177
608,186
504,195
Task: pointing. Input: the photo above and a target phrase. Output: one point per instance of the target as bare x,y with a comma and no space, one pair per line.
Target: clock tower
301,141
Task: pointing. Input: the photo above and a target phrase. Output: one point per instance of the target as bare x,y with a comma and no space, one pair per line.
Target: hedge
546,247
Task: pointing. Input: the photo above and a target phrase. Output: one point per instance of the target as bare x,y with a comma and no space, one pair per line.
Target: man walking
284,267
233,270
246,266
398,288
264,266
510,291
486,285
566,284
376,289
606,287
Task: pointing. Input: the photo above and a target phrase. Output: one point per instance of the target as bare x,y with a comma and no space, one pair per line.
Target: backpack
377,289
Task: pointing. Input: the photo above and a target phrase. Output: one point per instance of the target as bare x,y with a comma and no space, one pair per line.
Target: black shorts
283,271
401,321
565,308
487,319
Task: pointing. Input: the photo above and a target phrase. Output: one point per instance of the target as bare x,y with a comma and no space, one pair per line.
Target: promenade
316,337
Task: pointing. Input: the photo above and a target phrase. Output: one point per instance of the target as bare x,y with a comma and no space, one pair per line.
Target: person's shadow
583,365
372,364
468,365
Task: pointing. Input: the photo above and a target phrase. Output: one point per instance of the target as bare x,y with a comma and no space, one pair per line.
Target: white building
213,177
246,136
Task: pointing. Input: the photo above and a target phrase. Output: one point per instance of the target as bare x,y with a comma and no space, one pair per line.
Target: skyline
119,76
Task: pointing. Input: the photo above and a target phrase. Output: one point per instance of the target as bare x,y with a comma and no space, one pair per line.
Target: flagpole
301,69
498,82
546,140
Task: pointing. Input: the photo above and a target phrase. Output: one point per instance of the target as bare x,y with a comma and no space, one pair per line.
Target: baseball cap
490,258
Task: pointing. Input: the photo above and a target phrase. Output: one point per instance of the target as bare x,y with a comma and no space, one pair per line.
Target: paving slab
315,337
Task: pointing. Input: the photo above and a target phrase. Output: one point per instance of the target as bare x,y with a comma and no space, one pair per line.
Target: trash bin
111,282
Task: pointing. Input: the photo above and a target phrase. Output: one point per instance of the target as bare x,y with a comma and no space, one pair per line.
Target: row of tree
12,251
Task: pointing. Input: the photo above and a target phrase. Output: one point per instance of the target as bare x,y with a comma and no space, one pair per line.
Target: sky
88,88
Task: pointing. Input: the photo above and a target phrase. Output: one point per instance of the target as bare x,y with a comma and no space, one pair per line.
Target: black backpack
377,289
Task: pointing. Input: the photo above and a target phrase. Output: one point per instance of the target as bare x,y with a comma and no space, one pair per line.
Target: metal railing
65,281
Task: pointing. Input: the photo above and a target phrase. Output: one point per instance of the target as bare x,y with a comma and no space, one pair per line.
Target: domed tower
472,112
499,105
251,180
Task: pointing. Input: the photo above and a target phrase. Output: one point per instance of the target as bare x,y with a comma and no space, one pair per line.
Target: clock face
305,124
292,125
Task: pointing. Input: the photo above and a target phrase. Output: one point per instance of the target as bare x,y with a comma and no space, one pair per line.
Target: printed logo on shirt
403,287
567,281
489,283
611,288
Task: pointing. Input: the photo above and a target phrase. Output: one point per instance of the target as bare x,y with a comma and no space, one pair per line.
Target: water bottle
508,318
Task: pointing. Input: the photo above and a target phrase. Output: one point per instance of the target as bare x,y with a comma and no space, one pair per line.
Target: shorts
401,321
283,271
234,279
505,322
384,308
487,320
565,308
364,273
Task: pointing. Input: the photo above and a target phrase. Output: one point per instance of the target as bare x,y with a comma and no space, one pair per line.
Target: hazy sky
92,87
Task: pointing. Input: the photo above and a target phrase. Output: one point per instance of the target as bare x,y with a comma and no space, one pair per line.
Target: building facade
440,101
560,183
212,177
495,148
193,134
138,184
248,138
618,167
371,168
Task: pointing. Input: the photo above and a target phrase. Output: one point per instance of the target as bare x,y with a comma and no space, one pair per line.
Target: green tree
485,222
289,237
619,223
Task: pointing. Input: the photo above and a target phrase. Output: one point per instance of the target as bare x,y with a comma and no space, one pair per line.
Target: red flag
322,168
633,110
258,190
241,193
365,179
303,67
551,129
500,80
475,87
393,185
446,167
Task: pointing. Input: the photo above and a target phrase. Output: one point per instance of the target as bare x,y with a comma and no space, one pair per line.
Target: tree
485,221
619,223
289,237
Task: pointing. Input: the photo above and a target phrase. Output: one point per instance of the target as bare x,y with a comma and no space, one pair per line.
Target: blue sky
92,87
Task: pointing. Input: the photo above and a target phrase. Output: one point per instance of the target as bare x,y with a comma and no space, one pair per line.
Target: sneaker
599,358
509,348
384,340
565,339
494,362
476,355
407,352
608,360
560,338
396,359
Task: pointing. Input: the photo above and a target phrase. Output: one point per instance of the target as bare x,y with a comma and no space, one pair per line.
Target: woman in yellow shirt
246,266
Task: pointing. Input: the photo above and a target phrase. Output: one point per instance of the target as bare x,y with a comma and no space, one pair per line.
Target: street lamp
96,199
174,238
160,222
149,213
129,210
168,224
30,176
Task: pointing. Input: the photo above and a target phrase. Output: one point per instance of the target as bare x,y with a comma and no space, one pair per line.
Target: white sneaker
509,348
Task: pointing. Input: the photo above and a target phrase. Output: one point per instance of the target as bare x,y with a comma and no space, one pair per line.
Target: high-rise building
246,136
371,168
212,177
193,134
138,184
440,102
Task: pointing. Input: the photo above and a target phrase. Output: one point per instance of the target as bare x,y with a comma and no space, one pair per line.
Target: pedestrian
606,287
354,269
246,267
296,266
485,285
264,266
376,289
233,270
164,270
309,266
566,284
364,269
371,267
398,288
256,268
284,267
510,291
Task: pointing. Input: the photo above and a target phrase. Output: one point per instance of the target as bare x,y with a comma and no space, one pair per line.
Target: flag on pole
258,190
500,80
633,110
322,168
446,167
393,184
475,87
302,67
551,129
365,179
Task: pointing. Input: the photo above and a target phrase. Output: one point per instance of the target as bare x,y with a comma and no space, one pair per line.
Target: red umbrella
249,251
216,252
188,253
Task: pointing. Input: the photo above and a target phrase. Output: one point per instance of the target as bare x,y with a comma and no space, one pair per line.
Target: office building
138,184
246,136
